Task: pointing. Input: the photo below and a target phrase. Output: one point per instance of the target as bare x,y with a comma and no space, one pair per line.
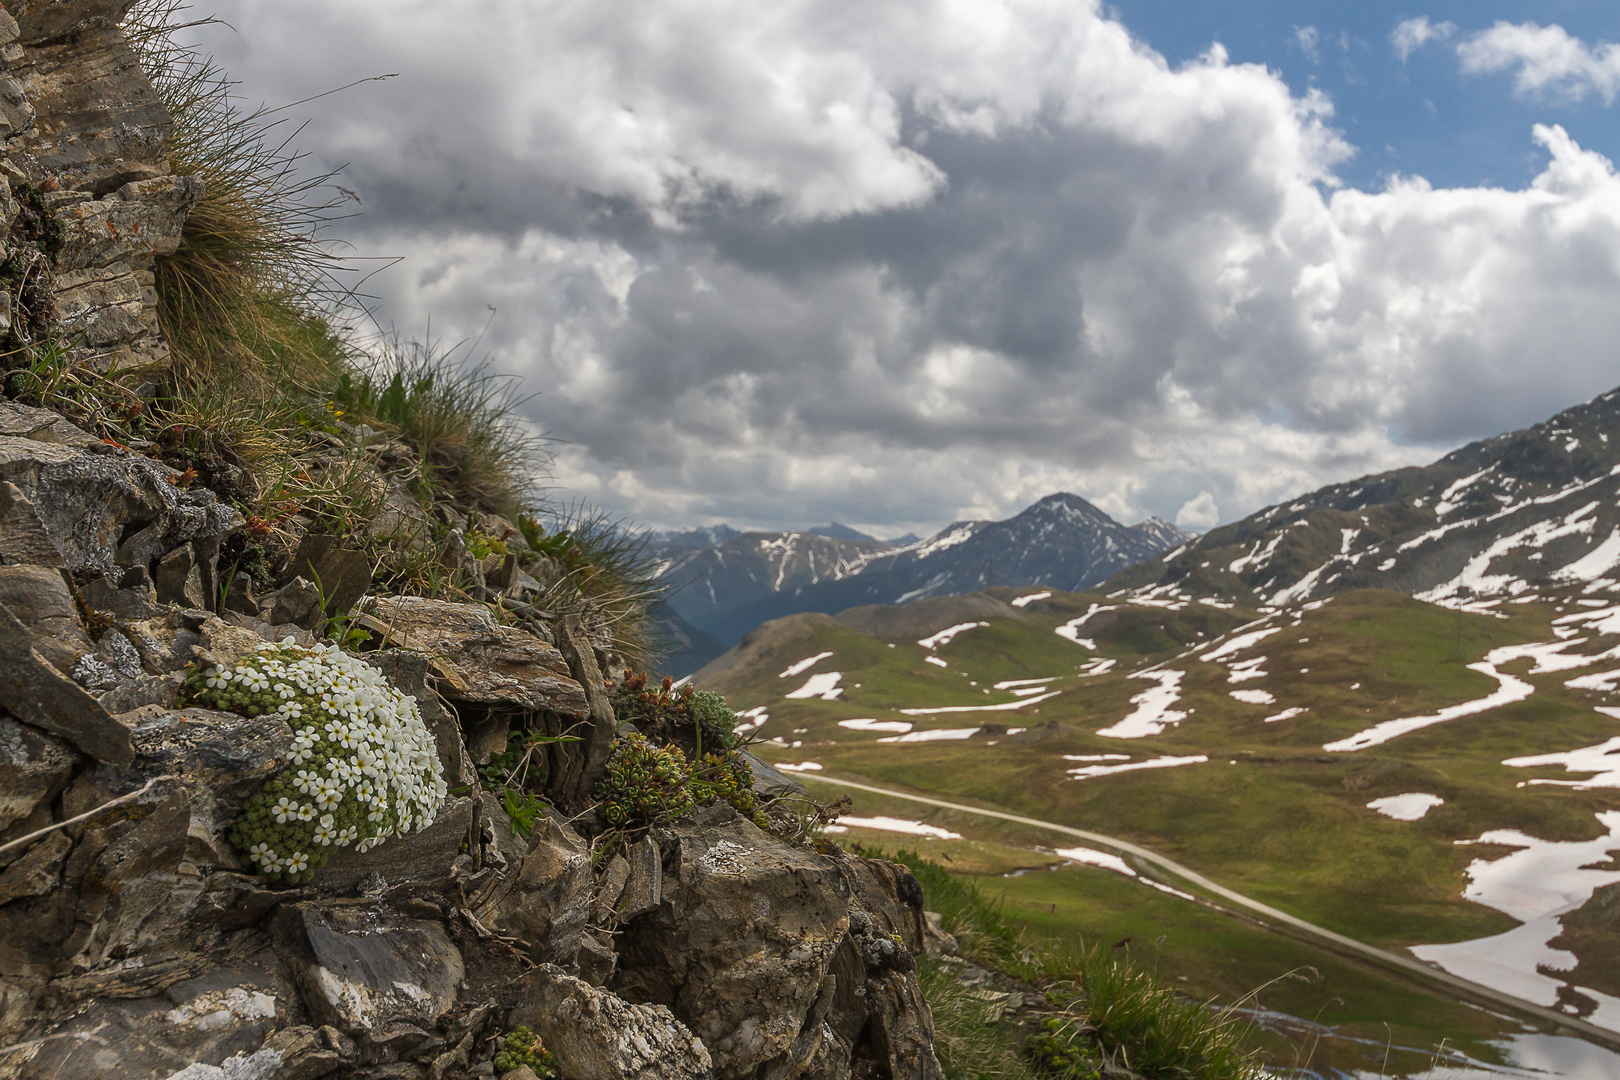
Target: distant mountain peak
1061,541
838,531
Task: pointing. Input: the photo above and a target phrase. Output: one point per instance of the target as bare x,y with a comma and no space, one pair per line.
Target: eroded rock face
383,980
742,941
595,1033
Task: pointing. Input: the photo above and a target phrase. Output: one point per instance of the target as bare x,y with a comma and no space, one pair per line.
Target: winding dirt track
1286,923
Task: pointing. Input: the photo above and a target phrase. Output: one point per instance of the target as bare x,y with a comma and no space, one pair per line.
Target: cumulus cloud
1547,61
1410,35
1199,512
816,260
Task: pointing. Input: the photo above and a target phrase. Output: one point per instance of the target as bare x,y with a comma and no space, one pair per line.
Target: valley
1429,780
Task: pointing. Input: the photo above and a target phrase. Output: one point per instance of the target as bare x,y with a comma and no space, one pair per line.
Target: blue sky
1422,116
899,263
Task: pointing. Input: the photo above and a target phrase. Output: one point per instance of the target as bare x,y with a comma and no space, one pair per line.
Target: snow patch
1153,713
1241,642
1030,599
1092,857
804,665
1089,772
1409,807
823,685
1602,760
1003,707
1286,714
894,825
1536,884
1254,697
803,766
867,724
936,661
934,641
938,735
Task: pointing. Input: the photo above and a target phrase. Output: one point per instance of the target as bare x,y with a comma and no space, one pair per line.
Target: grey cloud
956,296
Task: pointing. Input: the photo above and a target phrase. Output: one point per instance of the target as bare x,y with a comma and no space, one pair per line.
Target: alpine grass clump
363,765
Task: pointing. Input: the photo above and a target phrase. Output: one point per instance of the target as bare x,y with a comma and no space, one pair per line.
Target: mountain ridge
1488,521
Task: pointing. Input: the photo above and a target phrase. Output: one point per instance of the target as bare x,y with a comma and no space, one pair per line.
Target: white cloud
1410,35
823,260
1549,61
1199,512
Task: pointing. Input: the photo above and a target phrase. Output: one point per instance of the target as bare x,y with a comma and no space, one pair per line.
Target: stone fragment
103,306
135,224
179,579
36,693
342,574
38,871
297,602
40,21
741,944
307,1053
549,900
214,1025
130,594
383,980
477,659
23,538
594,1033
900,1027
41,425
240,597
770,782
590,755
40,599
16,111
34,768
221,644
416,858
609,889
643,888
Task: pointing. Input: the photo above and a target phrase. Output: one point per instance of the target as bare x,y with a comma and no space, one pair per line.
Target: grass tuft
252,296
460,414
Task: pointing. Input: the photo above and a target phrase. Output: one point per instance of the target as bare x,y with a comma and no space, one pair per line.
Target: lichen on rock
363,765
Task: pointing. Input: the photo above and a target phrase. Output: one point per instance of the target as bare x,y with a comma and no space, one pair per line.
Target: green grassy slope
1270,813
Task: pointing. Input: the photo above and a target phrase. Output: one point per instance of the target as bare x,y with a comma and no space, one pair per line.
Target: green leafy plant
1058,1051
694,719
362,767
726,777
523,1047
644,784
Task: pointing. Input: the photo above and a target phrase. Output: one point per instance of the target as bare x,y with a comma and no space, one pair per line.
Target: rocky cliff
139,737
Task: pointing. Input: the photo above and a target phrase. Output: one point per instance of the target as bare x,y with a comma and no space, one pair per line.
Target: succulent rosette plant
363,765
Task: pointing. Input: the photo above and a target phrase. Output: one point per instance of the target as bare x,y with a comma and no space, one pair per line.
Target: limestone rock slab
476,658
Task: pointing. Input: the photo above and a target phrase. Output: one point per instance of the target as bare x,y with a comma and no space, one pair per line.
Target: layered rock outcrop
137,942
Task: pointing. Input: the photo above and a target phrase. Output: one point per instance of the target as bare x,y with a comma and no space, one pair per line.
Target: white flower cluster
363,765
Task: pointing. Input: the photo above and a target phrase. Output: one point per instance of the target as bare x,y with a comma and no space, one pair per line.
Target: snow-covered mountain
1062,541
1496,519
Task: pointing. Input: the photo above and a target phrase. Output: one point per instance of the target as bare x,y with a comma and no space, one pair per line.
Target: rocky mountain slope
448,862
1490,521
1062,541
